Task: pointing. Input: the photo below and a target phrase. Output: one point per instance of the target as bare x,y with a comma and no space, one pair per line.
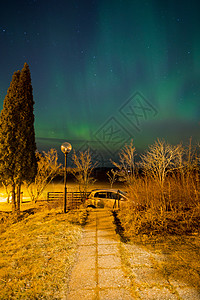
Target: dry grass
167,223
36,255
175,258
182,257
152,210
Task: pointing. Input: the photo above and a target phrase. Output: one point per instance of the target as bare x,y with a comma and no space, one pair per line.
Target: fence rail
74,199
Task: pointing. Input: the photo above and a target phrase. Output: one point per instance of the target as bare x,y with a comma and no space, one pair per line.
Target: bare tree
83,170
189,173
48,168
112,177
126,165
160,159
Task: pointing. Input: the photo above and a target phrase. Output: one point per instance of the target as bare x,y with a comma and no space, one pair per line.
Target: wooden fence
74,199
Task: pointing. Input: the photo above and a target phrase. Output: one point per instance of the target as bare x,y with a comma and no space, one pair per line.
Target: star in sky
87,57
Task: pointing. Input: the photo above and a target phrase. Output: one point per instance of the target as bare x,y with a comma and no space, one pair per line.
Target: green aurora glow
88,57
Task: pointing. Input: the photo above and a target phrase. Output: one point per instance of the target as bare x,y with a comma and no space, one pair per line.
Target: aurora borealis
105,72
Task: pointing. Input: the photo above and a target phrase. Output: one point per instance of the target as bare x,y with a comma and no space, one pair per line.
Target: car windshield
123,193
100,195
111,194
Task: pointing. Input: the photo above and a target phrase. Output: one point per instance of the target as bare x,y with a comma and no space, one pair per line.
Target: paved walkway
98,273
148,280
103,262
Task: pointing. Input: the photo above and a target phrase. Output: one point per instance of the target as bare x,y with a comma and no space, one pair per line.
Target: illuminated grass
36,255
175,259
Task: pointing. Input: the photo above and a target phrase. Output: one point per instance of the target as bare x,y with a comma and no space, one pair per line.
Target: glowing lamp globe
66,147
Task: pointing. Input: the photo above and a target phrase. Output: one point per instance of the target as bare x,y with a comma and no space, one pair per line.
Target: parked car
112,198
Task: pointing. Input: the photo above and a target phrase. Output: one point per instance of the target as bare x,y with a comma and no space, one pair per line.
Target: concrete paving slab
112,278
88,260
109,261
107,249
149,276
90,228
137,250
188,293
115,294
140,260
85,279
82,294
87,250
138,256
150,283
87,241
106,232
105,228
85,263
97,273
88,234
155,293
110,239
176,282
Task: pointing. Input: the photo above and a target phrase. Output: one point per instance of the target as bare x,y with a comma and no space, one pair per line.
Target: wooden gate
74,199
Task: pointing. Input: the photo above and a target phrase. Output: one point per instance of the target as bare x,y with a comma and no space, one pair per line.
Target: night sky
105,72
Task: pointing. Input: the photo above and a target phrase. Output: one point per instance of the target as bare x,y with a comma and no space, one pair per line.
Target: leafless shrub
160,159
187,181
126,165
83,170
112,177
48,168
166,198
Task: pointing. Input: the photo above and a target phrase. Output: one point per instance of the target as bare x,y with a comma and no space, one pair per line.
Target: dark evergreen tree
17,135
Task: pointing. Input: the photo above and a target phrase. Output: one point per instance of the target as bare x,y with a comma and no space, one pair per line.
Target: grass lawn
36,254
181,255
176,257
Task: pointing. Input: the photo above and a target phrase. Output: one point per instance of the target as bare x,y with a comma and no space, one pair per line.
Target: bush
174,210
165,197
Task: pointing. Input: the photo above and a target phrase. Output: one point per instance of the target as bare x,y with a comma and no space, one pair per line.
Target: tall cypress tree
17,135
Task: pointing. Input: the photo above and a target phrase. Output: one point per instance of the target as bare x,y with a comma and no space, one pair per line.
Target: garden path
106,268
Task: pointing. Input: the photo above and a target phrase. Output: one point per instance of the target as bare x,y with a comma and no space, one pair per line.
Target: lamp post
65,148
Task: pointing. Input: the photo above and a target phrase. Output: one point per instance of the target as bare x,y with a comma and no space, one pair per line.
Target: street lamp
65,148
